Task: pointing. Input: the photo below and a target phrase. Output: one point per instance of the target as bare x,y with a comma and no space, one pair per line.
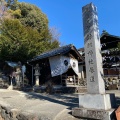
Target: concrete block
97,101
94,113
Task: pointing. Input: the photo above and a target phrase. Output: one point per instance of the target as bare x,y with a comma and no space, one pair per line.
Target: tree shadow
63,99
68,100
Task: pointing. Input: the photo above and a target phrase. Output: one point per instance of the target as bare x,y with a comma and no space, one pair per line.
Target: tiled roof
107,34
57,51
12,64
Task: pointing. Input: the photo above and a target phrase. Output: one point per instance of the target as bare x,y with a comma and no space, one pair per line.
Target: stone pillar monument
37,74
96,104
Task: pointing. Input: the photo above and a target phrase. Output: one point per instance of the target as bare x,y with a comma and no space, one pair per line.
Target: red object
117,112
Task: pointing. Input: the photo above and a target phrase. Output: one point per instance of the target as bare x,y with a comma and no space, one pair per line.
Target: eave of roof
57,51
107,38
11,64
107,34
109,41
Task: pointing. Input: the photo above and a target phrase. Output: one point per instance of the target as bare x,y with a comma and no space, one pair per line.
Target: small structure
12,71
18,76
58,67
37,74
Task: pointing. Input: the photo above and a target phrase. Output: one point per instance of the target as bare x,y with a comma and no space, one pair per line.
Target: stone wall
7,113
112,83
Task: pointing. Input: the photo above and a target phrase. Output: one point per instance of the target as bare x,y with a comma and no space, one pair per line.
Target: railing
71,81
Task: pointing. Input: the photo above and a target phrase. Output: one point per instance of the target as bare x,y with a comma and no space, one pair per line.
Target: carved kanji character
90,53
91,70
92,79
88,37
89,45
90,61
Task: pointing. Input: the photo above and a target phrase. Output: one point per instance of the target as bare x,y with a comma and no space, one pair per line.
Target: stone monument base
97,101
95,106
93,113
39,89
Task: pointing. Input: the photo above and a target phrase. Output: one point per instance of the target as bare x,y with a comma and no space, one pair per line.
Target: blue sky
66,16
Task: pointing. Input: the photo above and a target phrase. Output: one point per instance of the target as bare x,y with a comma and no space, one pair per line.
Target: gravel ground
49,107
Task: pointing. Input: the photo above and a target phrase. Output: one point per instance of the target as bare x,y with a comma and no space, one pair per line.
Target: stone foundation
94,114
95,106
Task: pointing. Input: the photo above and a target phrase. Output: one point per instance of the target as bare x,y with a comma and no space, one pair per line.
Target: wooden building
66,65
58,66
110,54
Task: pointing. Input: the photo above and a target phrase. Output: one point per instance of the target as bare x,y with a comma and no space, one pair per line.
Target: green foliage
25,33
12,36
31,16
19,43
15,13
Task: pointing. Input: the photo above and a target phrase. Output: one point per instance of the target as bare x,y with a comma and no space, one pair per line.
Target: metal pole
32,75
23,79
11,81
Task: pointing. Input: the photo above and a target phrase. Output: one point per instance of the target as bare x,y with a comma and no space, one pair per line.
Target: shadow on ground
63,99
69,100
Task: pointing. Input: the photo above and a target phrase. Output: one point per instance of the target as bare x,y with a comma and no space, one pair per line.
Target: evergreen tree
25,34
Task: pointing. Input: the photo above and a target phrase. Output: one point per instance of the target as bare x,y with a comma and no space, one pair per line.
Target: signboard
23,68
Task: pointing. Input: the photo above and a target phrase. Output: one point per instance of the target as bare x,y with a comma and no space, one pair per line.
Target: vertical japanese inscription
93,58
90,24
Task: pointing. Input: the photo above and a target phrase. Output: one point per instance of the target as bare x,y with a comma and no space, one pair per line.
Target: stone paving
46,106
